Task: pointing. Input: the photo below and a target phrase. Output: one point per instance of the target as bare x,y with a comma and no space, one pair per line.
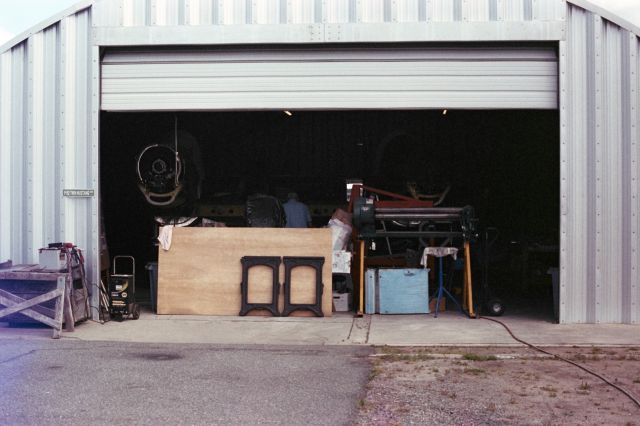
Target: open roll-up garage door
330,78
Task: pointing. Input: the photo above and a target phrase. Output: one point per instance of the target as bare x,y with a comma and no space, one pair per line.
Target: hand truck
122,292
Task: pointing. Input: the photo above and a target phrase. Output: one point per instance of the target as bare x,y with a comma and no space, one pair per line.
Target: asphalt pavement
74,382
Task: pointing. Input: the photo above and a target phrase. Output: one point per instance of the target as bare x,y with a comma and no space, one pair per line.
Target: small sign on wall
78,193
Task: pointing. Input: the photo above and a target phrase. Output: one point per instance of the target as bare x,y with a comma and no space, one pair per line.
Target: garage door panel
357,69
320,84
331,100
344,54
327,79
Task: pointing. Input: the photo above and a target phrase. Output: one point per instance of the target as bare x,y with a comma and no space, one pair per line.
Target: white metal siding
220,22
45,142
115,13
367,78
634,259
599,172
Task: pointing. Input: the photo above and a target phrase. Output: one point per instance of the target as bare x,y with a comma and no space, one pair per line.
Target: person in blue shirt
297,213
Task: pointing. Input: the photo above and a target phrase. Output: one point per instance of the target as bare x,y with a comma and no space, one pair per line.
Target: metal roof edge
606,14
584,4
84,4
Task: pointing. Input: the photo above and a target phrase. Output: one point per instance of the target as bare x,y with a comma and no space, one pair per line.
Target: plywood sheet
201,273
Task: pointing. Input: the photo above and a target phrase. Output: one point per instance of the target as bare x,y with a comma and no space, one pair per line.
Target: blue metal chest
397,291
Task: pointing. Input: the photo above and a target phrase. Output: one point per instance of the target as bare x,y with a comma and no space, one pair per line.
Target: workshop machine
170,172
122,291
419,218
398,216
160,175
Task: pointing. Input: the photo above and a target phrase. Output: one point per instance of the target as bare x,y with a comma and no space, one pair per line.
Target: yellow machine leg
361,277
467,291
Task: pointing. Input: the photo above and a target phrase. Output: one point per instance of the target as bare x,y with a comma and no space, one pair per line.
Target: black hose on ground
593,373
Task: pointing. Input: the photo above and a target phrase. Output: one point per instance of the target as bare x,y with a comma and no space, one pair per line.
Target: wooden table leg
69,319
57,329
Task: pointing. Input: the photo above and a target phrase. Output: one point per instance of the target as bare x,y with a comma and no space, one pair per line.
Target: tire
135,311
495,307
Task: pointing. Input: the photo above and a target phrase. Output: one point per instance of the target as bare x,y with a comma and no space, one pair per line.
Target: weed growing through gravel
553,392
406,357
579,357
476,357
584,389
585,386
375,371
474,371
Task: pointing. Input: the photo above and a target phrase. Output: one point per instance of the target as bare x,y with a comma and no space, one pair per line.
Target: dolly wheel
135,311
495,307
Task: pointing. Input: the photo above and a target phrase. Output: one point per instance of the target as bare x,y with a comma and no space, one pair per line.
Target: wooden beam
17,299
16,304
23,306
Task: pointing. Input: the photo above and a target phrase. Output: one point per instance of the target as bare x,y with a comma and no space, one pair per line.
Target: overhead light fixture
288,113
444,112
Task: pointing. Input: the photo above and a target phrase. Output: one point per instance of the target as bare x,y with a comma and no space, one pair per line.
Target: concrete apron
449,329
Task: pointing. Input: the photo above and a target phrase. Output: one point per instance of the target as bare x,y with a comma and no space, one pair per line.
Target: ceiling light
288,113
444,112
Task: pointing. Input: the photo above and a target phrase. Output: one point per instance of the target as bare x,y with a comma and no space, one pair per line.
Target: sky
17,16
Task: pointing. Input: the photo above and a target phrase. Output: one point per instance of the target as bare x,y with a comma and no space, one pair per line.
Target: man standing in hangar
297,213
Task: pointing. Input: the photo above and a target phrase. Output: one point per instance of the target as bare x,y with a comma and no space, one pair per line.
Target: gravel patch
500,386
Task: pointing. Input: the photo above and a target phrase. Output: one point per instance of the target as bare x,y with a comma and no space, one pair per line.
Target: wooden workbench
20,284
201,272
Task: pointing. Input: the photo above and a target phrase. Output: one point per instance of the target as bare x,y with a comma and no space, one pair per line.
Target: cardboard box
340,234
343,216
341,302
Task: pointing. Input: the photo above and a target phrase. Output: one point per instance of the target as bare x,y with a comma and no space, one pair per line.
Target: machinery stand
273,263
442,290
293,262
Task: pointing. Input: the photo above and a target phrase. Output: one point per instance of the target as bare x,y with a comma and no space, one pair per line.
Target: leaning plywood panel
201,273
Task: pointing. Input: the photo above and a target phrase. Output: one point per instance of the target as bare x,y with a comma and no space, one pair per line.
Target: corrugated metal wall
46,140
115,13
48,125
600,155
